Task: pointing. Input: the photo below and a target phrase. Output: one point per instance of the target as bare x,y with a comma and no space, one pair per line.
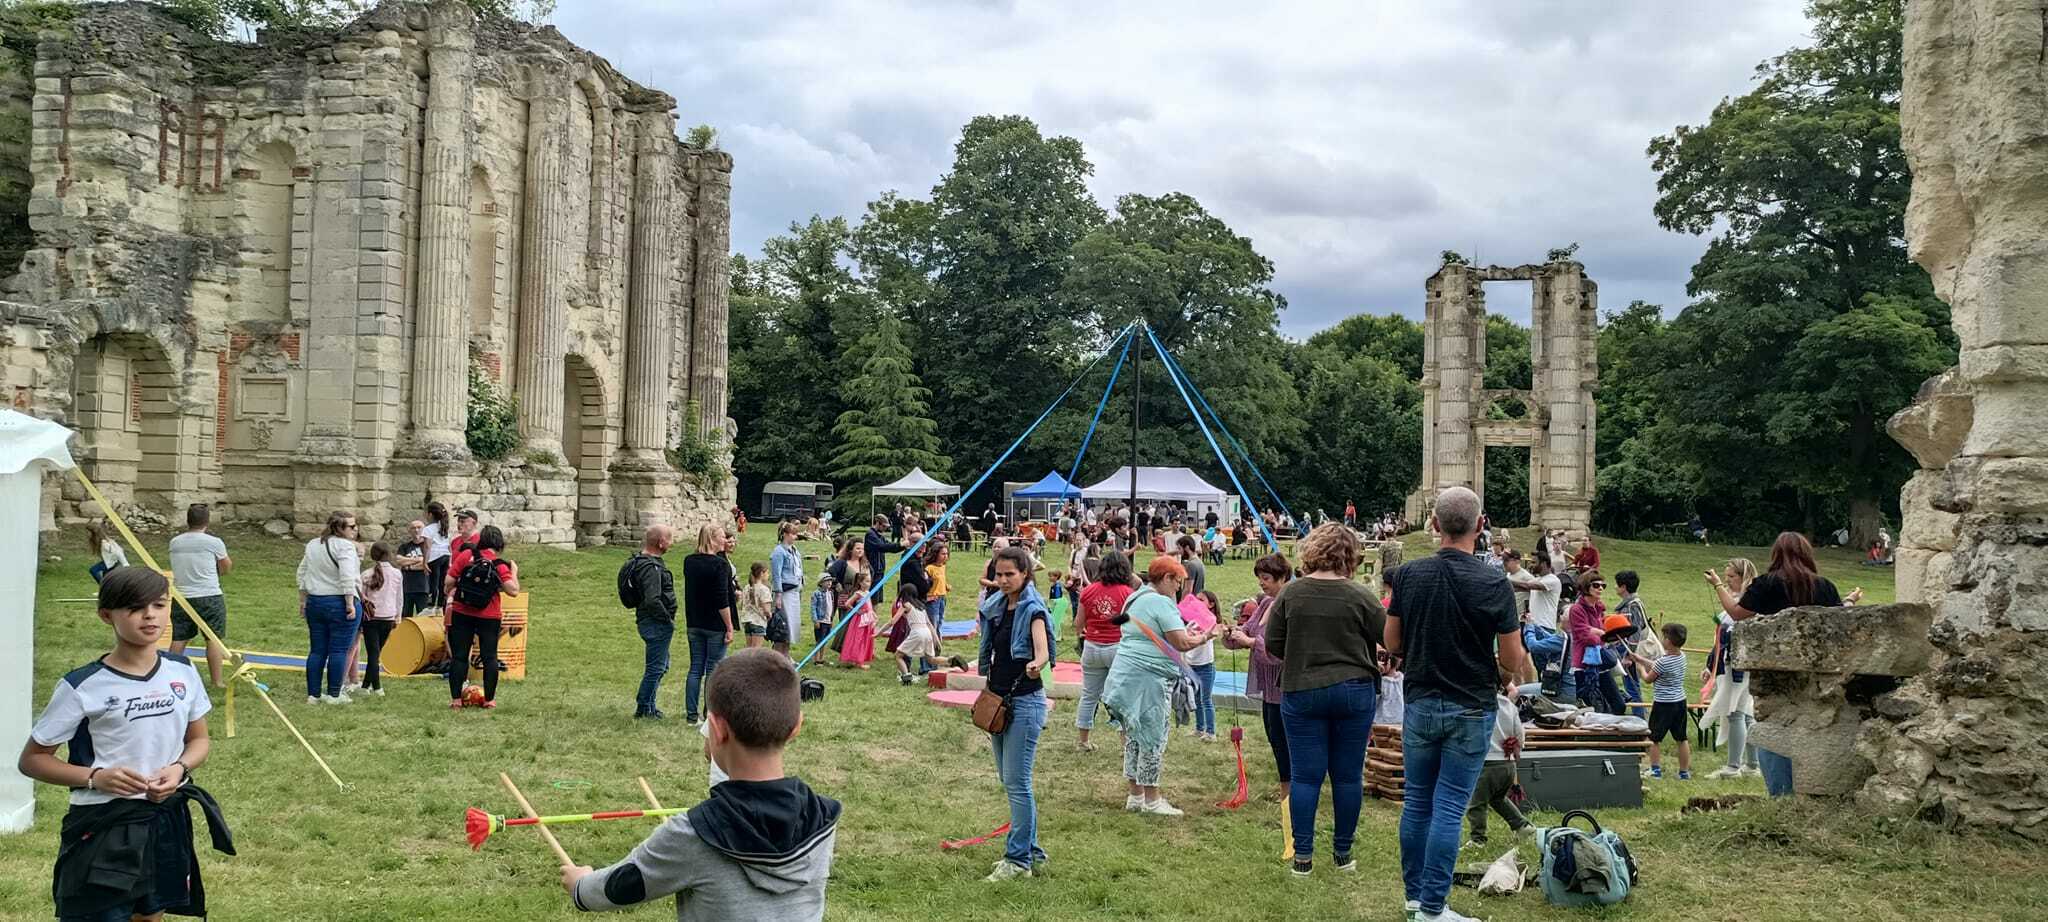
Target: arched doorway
588,435
125,397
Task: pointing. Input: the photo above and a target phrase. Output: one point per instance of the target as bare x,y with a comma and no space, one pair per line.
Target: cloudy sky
1351,141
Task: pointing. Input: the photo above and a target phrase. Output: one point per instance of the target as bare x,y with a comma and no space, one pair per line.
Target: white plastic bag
1503,876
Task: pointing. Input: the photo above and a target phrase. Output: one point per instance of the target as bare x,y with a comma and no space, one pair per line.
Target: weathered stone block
1935,424
1885,640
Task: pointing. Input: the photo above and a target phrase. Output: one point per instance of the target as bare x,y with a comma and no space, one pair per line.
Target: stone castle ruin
1555,419
1938,707
263,274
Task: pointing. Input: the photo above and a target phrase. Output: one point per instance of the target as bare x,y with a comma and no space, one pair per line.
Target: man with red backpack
477,577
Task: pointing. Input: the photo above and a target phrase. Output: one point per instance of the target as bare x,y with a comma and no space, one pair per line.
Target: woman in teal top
1140,681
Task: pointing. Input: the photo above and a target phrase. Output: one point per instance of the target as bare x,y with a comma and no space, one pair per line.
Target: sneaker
335,699
904,677
1724,773
378,691
490,705
1653,772
1346,863
957,662
1159,808
1751,771
312,699
1303,867
1007,870
1133,803
352,688
1448,915
1411,910
455,704
1472,845
649,715
1685,776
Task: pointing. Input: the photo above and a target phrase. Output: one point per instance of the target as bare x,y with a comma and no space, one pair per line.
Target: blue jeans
1205,700
1327,729
1016,748
706,649
1443,748
330,632
936,608
1777,772
656,635
1633,690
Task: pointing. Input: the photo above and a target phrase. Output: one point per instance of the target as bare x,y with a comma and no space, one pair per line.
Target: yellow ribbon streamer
244,670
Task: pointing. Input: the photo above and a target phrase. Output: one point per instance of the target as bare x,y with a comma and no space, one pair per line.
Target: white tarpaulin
28,447
1167,483
916,483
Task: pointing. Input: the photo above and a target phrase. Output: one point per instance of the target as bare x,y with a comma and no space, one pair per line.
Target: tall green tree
887,427
1803,184
1640,487
999,342
796,312
1363,441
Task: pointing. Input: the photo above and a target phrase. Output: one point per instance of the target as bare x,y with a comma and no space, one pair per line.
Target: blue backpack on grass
1584,868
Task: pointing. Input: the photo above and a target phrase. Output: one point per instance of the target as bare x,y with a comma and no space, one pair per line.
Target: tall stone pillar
1967,747
1452,375
711,287
652,293
1565,370
543,301
440,357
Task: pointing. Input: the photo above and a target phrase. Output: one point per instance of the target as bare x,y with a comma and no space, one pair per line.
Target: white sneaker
1751,772
1006,870
336,699
1448,915
312,699
1411,910
378,691
1724,773
352,688
1134,803
1159,808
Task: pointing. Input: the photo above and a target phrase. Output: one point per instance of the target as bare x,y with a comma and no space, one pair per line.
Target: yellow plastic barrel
416,643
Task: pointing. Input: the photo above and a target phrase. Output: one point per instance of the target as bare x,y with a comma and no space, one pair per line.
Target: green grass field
910,774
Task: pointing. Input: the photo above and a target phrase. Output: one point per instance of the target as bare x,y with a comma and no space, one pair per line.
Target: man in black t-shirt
1450,613
412,564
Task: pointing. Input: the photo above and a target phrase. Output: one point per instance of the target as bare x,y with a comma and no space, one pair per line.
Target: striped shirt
1670,677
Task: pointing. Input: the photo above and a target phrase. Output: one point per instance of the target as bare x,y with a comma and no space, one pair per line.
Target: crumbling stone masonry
262,273
1556,418
1961,742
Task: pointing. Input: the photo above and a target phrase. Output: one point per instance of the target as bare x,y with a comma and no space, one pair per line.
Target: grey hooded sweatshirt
756,850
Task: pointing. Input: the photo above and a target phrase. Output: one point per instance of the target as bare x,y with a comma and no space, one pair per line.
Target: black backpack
629,591
479,583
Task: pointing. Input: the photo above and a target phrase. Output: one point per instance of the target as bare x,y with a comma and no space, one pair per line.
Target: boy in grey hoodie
760,847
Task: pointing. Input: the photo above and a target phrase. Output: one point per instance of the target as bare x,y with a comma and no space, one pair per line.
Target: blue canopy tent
1051,490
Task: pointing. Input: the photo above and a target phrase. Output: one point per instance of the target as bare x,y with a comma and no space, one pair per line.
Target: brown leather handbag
991,711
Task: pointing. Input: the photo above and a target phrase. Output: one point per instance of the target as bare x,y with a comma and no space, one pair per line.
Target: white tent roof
916,483
1171,483
28,447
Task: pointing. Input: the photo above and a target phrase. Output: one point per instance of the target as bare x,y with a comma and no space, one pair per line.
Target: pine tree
887,428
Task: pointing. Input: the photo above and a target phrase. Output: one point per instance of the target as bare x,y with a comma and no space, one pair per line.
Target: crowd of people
1461,635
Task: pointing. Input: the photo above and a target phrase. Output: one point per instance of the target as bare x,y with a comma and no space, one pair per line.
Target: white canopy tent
1173,484
28,447
915,483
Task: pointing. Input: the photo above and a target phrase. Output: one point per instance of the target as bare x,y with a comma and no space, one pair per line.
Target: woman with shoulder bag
1140,684
1016,647
329,583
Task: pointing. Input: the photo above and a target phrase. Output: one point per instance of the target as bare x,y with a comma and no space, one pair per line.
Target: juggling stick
535,817
1244,789
479,825
648,790
954,844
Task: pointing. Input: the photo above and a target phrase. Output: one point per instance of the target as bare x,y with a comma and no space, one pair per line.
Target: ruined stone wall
1557,422
262,272
1966,741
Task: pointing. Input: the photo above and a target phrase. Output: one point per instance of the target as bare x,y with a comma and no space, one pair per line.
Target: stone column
543,303
1967,747
711,286
440,357
652,293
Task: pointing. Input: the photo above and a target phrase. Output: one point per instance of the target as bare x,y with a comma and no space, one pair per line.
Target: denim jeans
706,649
1545,646
1777,772
1740,753
1632,689
1205,697
1443,748
330,632
1016,748
1327,729
936,610
1096,658
656,635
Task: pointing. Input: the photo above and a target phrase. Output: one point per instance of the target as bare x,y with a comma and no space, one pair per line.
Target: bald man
646,586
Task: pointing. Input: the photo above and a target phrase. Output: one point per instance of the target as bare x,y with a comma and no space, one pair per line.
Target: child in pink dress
859,648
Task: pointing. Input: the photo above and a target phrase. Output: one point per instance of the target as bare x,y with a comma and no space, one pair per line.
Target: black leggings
437,580
461,630
1276,737
374,634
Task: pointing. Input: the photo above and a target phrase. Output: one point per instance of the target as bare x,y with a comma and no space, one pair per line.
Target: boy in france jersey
133,723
